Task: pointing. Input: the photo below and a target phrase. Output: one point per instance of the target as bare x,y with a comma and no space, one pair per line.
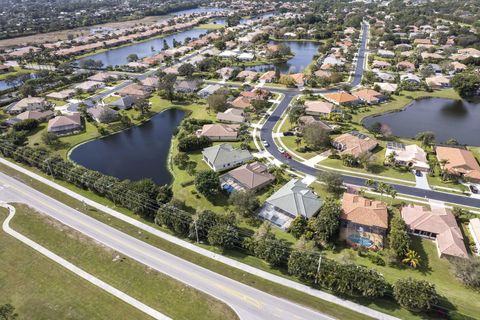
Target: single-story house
385,53
250,176
62,95
223,156
369,96
135,90
6,69
341,98
406,66
322,73
123,103
298,78
247,75
219,132
354,143
411,156
364,222
27,104
305,120
385,76
379,64
459,162
226,72
438,82
187,86
103,114
150,82
89,86
319,108
291,200
386,87
411,78
104,77
241,102
65,124
438,224
268,76
246,56
27,115
474,228
208,90
231,115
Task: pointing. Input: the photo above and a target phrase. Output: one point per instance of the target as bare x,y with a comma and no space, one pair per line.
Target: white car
281,150
265,143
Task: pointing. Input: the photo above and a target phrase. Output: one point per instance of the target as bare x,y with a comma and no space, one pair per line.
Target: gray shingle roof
224,153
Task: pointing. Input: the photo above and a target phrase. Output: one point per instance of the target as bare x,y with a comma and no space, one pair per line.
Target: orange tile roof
459,162
341,97
364,211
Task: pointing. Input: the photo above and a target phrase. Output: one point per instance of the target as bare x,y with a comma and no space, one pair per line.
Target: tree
274,251
208,183
415,295
50,139
466,83
303,265
166,84
333,181
142,106
193,143
202,225
233,20
316,136
298,226
295,113
427,138
411,258
398,238
27,90
186,70
375,128
326,223
7,312
217,102
132,57
468,271
224,236
245,202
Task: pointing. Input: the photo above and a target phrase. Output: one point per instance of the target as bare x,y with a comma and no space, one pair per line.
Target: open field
154,289
41,289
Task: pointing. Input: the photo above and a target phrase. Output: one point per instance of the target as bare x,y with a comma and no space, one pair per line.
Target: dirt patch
63,34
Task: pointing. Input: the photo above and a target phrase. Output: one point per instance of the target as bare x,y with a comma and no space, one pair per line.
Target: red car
287,155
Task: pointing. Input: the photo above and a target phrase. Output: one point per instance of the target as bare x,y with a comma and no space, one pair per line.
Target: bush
468,271
415,295
376,259
193,143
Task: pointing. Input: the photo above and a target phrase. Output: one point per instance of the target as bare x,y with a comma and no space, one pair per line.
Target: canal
136,153
458,119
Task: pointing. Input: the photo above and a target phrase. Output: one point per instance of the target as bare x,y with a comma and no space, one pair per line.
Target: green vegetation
17,72
162,293
209,26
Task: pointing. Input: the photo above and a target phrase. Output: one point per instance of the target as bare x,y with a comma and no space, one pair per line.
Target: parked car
418,173
287,155
265,143
281,150
473,189
288,134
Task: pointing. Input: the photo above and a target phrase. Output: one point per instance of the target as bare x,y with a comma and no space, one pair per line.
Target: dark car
287,155
473,189
288,134
418,173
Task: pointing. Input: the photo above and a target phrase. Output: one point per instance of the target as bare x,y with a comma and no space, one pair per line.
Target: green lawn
41,289
259,283
57,102
158,291
18,72
110,99
210,26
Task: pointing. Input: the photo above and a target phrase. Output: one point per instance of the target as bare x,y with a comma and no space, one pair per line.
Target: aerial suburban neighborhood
308,159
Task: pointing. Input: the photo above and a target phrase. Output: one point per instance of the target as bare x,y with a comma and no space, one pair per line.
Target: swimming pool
362,241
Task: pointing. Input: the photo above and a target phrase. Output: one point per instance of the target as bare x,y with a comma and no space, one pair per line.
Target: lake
136,153
459,119
118,56
303,51
197,10
4,85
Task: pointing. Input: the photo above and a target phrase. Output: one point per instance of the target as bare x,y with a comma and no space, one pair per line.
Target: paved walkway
233,263
422,181
314,160
79,272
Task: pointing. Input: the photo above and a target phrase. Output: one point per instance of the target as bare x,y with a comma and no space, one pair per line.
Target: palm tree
392,193
412,259
370,183
298,141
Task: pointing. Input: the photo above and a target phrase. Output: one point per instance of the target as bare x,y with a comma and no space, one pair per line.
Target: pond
136,153
458,119
198,10
4,84
118,56
303,51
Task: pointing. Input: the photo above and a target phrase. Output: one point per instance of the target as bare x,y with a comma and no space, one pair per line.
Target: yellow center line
233,292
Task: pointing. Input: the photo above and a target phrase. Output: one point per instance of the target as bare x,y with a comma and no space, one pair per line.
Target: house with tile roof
28,104
223,156
291,200
354,143
341,98
410,156
438,224
231,115
62,125
474,228
319,108
250,176
364,222
459,162
369,96
219,132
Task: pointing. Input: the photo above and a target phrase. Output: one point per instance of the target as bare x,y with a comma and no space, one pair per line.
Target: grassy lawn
210,26
248,279
18,72
161,292
57,102
433,269
110,99
42,289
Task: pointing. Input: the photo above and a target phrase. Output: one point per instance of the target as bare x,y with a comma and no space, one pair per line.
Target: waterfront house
459,162
386,87
341,98
231,115
438,224
438,82
250,176
104,77
223,156
247,75
267,77
28,104
369,96
226,72
123,103
103,114
68,124
410,156
219,132
6,69
354,143
136,91
364,222
291,200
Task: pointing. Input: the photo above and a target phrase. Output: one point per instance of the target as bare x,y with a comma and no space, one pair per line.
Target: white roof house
246,56
411,156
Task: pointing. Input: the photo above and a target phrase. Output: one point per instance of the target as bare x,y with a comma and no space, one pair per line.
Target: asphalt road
249,303
266,133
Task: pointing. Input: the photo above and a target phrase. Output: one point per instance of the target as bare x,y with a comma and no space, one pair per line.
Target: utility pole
196,230
318,268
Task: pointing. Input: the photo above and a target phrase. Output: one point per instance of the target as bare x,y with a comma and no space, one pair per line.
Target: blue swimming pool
362,241
228,188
